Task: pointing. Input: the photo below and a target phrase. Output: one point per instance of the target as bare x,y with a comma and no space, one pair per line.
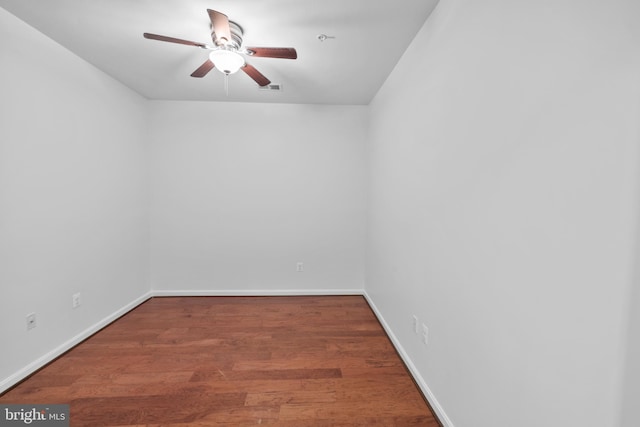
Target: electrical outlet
75,300
31,321
425,334
300,266
415,324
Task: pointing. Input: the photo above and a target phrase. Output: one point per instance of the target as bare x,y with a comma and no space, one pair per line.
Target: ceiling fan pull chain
226,84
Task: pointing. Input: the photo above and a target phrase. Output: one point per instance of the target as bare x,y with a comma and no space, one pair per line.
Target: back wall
242,192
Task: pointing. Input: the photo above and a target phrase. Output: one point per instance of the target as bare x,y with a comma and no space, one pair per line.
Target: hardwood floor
234,361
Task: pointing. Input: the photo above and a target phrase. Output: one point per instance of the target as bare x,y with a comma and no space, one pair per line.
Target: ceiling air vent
272,87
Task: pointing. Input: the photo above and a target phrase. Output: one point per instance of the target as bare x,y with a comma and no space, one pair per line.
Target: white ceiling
371,35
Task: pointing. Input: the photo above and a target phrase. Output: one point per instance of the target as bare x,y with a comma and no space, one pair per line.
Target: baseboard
68,345
254,292
435,405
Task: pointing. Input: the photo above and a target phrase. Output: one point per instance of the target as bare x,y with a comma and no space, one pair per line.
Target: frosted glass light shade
227,61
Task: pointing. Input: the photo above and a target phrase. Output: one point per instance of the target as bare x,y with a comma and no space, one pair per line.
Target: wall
242,192
73,197
504,206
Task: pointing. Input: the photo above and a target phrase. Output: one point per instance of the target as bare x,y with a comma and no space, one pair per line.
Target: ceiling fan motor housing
236,36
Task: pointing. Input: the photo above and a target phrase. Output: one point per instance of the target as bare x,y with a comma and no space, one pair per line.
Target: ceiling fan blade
203,69
174,40
256,75
273,52
220,31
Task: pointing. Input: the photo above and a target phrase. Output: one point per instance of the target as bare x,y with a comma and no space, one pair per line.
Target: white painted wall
242,192
504,206
73,195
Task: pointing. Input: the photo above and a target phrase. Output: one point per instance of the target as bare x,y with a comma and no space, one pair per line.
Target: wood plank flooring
234,361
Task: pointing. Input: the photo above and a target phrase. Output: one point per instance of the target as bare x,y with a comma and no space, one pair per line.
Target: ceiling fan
227,53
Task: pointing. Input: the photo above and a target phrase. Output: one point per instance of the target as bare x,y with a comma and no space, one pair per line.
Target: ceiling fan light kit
227,61
227,53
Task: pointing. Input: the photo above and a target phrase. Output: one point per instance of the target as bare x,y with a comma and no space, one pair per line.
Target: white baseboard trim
23,373
254,292
435,405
